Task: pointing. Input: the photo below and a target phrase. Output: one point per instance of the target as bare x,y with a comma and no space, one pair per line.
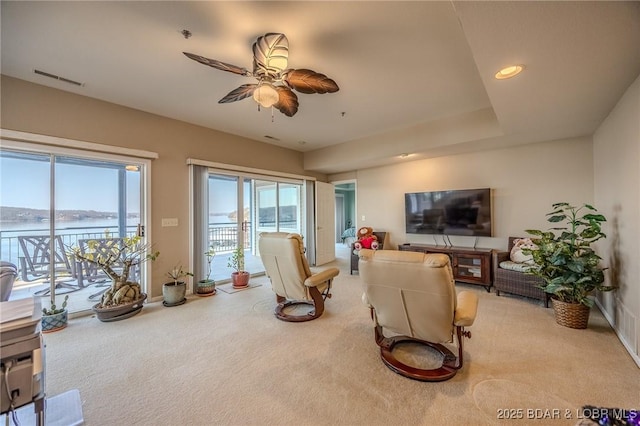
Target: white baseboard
623,340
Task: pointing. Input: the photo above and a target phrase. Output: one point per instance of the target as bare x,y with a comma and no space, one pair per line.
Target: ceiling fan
275,80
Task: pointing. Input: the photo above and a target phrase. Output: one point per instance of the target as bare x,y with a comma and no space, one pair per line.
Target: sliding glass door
240,206
51,202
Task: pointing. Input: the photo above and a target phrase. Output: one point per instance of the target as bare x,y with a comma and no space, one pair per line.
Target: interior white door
325,223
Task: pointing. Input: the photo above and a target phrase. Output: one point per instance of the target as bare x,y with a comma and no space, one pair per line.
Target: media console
470,265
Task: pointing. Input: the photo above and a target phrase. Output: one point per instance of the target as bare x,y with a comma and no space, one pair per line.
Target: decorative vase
55,322
119,312
572,315
240,279
174,293
206,288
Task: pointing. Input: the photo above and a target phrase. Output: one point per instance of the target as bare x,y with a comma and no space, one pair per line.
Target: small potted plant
567,263
207,287
239,278
174,291
54,318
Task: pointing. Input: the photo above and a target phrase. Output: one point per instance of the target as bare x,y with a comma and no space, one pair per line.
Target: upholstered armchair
382,241
509,274
412,297
286,265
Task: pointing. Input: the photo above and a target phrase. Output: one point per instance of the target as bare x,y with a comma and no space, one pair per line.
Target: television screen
456,212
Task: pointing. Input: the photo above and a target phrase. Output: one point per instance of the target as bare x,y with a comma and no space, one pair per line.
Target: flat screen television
456,212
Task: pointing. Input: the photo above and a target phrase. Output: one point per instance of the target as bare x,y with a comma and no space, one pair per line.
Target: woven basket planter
572,315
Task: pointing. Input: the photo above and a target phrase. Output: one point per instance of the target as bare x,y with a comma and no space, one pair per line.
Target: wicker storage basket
572,315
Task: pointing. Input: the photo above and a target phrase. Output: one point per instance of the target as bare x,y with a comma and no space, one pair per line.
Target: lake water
9,232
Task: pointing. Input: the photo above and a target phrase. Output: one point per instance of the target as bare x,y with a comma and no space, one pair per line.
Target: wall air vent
66,80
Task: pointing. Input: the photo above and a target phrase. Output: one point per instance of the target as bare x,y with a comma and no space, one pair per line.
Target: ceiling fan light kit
266,95
275,80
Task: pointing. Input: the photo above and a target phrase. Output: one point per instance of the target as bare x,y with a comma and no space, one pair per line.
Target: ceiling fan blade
308,81
270,55
219,65
287,101
239,93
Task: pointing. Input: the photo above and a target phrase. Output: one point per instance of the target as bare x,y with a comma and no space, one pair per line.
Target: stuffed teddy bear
516,252
366,239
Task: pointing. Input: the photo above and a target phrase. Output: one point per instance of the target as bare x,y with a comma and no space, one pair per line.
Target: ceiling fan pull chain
272,114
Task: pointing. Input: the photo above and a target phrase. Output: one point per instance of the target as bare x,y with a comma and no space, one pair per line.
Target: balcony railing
223,237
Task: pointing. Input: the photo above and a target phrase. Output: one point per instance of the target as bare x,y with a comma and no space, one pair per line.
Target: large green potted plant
124,297
240,277
565,260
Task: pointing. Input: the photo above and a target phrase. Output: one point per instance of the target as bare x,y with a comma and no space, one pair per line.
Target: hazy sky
25,183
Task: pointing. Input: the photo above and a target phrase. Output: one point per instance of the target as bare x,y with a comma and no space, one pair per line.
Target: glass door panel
106,206
289,208
266,196
25,223
223,222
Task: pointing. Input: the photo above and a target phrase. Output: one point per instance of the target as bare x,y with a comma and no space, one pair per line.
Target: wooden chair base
317,303
450,363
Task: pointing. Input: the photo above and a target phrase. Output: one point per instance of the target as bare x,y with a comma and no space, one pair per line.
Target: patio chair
36,259
90,274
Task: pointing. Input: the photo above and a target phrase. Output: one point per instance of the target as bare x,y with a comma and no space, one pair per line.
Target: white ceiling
402,67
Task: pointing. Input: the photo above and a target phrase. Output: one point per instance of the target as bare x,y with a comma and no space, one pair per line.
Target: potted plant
123,298
54,318
207,287
174,291
567,263
239,278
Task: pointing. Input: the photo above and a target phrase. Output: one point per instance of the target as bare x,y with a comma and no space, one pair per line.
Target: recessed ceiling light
508,72
404,155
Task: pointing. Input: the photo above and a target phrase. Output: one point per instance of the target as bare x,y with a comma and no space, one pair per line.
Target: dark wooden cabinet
470,265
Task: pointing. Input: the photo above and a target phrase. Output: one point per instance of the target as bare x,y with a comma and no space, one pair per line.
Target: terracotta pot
240,279
119,312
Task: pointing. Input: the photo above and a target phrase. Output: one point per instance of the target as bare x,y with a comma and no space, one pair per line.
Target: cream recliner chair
291,279
412,297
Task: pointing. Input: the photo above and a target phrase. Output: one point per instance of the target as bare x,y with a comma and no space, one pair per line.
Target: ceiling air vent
66,80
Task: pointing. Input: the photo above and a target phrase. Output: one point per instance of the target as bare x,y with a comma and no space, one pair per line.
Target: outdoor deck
221,237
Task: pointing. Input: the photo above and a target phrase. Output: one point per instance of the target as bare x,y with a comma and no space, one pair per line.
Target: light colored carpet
226,360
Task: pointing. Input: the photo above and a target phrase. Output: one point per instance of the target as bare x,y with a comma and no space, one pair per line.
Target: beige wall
38,109
525,181
617,195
